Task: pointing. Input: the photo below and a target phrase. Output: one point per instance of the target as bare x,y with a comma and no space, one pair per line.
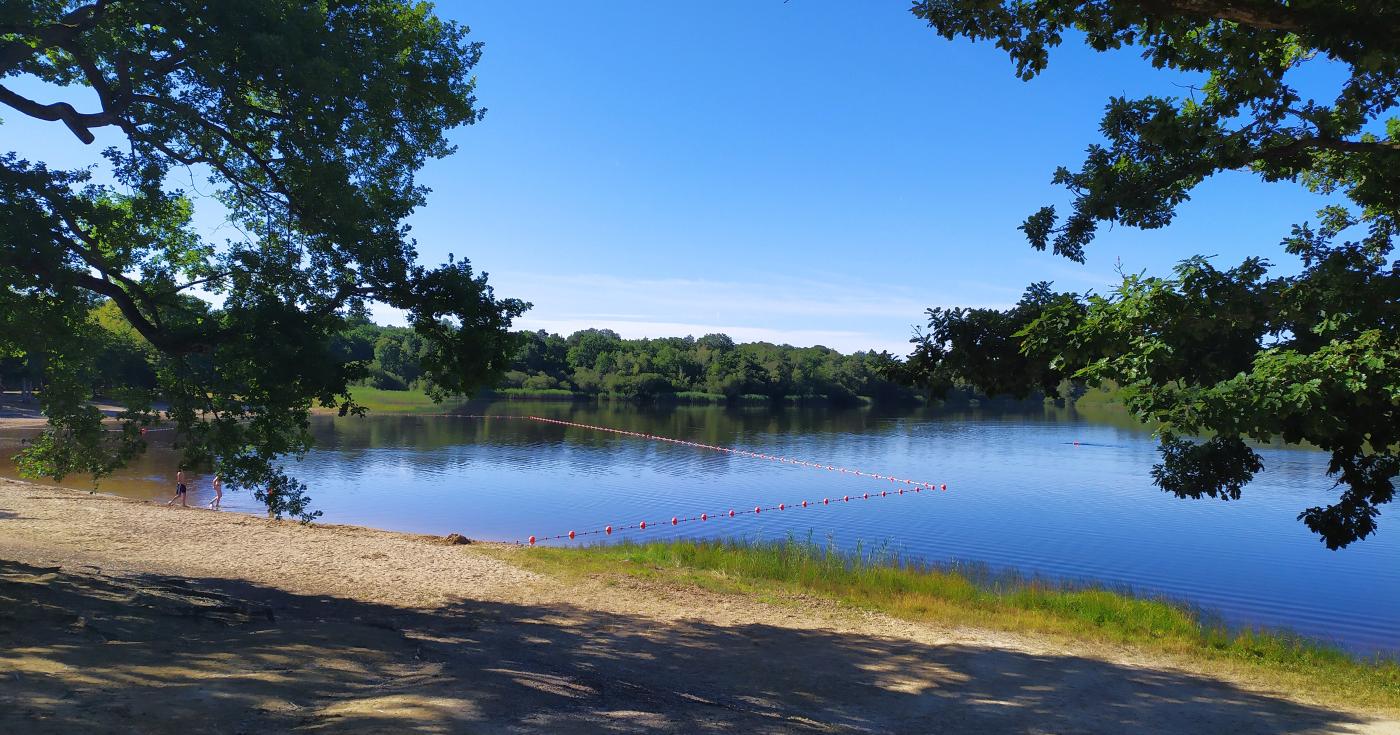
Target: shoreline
108,606
136,489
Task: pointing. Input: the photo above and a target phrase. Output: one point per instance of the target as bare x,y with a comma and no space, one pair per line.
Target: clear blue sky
808,172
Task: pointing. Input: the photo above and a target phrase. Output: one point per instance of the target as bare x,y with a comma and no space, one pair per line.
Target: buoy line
907,485
904,485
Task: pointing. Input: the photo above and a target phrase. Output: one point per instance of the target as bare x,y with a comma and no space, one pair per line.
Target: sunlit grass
695,396
535,393
397,401
971,596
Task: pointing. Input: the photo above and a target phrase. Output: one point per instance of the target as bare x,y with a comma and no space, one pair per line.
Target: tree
587,345
311,120
1234,354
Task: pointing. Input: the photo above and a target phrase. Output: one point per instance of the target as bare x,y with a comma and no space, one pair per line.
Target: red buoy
943,486
532,540
704,516
846,498
757,510
883,493
731,512
608,530
866,496
804,504
571,535
782,506
826,501
674,521
644,525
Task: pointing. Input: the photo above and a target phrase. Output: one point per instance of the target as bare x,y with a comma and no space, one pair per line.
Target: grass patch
696,396
397,401
536,393
969,596
416,401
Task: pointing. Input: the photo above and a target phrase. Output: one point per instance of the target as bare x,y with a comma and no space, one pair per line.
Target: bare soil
121,616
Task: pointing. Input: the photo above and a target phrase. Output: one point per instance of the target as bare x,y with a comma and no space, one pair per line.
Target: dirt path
117,615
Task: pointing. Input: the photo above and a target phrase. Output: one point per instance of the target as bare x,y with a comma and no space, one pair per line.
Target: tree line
595,362
591,362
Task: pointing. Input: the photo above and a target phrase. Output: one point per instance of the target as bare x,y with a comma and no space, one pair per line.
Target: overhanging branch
78,122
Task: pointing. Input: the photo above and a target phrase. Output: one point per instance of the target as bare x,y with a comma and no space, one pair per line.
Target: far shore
117,615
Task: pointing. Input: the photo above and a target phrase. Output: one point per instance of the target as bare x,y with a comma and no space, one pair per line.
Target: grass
969,596
549,393
397,401
696,396
416,401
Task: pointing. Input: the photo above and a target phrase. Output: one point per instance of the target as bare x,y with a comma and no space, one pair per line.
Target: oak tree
310,121
1216,357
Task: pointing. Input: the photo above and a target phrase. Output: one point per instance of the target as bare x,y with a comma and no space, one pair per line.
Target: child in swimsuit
181,491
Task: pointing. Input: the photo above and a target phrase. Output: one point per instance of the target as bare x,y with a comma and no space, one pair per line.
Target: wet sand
118,615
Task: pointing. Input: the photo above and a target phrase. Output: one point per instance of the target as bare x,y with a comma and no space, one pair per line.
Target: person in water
181,490
218,485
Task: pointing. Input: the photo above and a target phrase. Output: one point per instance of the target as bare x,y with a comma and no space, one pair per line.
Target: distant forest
597,362
588,363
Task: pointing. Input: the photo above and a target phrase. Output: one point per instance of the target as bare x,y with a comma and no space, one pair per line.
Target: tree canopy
310,120
712,367
1235,353
597,362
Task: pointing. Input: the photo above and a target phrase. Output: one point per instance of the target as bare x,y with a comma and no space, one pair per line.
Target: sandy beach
118,615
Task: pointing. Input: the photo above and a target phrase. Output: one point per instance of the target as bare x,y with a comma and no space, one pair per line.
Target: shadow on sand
83,651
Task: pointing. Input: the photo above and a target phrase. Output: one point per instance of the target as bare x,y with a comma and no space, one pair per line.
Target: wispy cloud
854,315
778,296
841,340
844,315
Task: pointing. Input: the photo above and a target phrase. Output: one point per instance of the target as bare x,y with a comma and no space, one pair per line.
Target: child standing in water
218,492
181,490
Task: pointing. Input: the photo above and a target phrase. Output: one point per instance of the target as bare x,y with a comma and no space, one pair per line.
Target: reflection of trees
348,446
709,424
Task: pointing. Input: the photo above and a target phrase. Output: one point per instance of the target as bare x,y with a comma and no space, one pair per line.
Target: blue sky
808,172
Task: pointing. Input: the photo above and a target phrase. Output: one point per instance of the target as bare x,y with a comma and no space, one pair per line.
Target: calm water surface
1021,494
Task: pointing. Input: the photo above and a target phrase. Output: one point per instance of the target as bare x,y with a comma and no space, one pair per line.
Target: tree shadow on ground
84,651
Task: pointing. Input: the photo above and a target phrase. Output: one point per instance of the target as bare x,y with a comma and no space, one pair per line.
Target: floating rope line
915,486
903,485
737,452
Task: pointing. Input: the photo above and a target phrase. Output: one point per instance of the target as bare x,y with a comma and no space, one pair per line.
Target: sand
119,616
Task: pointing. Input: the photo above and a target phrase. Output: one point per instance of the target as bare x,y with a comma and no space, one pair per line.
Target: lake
1047,491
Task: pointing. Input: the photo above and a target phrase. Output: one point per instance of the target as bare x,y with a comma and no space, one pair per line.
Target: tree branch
1269,15
263,164
1329,144
68,27
78,122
